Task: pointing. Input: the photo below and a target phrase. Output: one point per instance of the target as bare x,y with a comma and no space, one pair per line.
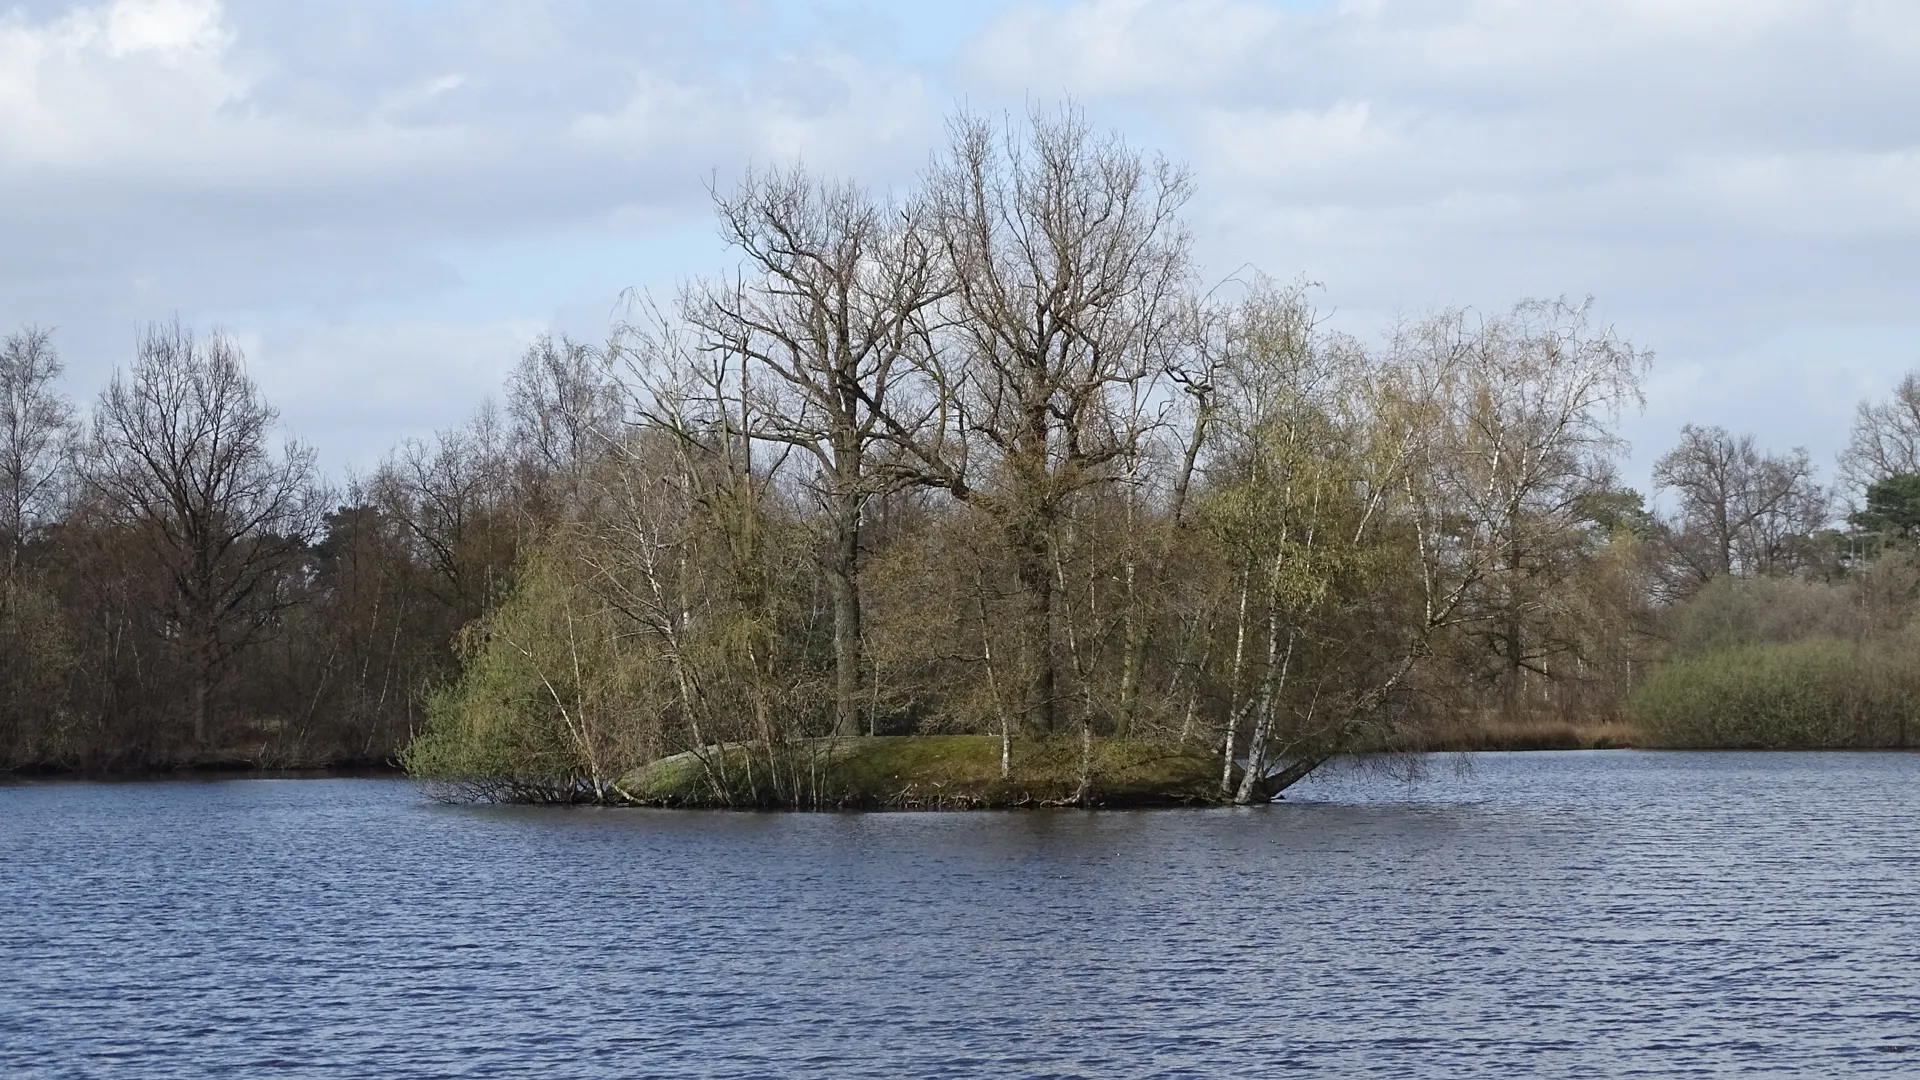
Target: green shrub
1821,692
550,704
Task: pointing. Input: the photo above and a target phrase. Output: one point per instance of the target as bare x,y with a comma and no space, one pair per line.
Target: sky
384,201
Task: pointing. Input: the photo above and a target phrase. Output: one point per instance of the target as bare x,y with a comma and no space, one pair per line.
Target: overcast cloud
386,200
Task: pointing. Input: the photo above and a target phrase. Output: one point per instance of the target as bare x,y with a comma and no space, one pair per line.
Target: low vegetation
1822,693
1784,664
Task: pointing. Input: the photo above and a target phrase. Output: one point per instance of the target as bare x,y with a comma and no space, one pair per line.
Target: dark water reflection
1543,915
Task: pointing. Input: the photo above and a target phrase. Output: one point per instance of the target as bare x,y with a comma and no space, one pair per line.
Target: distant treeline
982,458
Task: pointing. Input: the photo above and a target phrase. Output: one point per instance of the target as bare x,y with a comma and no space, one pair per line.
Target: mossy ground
928,772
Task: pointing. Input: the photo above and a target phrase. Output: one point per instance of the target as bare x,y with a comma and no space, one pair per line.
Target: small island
928,772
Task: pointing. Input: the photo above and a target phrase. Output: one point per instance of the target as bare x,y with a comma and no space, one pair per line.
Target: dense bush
1821,692
1731,611
546,708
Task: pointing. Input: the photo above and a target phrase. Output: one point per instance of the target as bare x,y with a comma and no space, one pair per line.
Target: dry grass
1493,731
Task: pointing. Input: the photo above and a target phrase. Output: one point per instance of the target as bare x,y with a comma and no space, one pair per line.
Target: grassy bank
936,772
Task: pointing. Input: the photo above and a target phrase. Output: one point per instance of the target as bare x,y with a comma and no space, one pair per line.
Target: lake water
1589,914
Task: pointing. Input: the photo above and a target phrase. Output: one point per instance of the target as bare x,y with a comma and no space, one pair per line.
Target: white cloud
403,378
423,185
109,83
327,175
171,27
1737,180
1127,46
524,120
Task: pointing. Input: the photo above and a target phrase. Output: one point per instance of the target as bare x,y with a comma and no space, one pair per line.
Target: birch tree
1309,490
1534,395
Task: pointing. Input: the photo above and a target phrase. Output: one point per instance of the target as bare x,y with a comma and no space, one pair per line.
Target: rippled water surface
1606,914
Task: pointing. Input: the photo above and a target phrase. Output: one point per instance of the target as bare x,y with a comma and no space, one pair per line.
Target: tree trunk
1516,645
1084,796
1189,460
1134,658
1195,671
1512,702
843,583
1291,775
1233,693
1255,775
993,686
202,698
1036,630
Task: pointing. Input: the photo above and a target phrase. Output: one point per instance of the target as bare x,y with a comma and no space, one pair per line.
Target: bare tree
35,424
454,498
180,454
1069,264
830,308
1886,437
1740,512
564,409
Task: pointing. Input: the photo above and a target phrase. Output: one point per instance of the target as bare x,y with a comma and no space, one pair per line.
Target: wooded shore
987,458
